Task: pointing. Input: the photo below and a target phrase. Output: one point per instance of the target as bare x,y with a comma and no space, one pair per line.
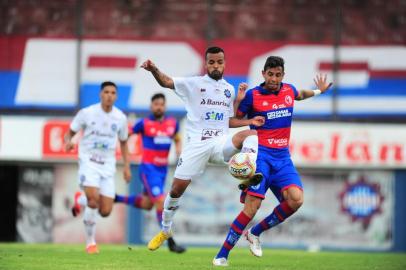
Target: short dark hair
213,49
274,61
107,83
157,96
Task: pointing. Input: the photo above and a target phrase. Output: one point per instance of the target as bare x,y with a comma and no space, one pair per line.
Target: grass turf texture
57,256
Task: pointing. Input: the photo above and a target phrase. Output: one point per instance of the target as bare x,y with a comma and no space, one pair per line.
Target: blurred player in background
274,100
209,102
102,125
157,133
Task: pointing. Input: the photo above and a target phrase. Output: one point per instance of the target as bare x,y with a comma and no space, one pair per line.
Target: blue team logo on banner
361,200
227,93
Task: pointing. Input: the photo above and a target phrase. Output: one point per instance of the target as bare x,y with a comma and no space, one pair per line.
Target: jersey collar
152,118
207,77
264,91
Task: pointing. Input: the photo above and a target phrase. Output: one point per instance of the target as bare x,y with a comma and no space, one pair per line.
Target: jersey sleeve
245,105
295,92
138,127
182,86
123,131
78,121
176,127
232,91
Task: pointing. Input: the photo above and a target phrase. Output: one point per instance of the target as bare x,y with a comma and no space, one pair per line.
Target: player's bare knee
92,203
104,214
294,198
295,204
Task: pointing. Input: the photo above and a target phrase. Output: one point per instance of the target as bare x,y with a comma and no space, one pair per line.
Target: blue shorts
153,179
279,174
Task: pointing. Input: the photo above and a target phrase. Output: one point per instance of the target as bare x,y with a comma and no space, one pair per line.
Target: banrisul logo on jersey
211,102
213,116
361,200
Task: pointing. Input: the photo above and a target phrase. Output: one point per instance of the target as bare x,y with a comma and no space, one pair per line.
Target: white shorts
90,177
195,155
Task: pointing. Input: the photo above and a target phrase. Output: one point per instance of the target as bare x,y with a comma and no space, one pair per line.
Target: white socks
250,145
170,206
89,219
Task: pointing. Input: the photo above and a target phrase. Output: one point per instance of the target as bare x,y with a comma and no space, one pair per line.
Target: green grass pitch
73,257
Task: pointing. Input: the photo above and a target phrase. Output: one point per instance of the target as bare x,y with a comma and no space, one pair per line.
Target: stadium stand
359,21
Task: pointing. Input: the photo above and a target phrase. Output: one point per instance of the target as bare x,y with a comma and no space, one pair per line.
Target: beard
158,114
215,75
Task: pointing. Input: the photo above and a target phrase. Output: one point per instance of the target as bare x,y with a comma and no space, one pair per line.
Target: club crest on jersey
288,100
227,93
256,186
114,127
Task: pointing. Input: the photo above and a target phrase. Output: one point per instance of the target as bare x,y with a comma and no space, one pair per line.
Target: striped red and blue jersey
157,136
277,108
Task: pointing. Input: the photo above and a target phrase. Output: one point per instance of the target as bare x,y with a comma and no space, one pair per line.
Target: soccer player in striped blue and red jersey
157,133
274,100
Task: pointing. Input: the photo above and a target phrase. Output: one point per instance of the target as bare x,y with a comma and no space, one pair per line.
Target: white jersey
209,105
100,132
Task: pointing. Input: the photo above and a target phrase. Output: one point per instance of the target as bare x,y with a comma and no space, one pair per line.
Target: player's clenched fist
148,65
242,87
258,121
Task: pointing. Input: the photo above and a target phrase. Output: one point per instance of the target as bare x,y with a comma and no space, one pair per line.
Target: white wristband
317,92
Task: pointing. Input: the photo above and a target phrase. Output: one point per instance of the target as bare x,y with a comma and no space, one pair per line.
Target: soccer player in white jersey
102,125
210,103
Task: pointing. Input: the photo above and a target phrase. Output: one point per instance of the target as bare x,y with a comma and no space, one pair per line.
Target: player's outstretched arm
126,160
257,121
163,79
322,86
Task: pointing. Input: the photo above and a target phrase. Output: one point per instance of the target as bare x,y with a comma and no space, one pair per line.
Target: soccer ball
241,166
